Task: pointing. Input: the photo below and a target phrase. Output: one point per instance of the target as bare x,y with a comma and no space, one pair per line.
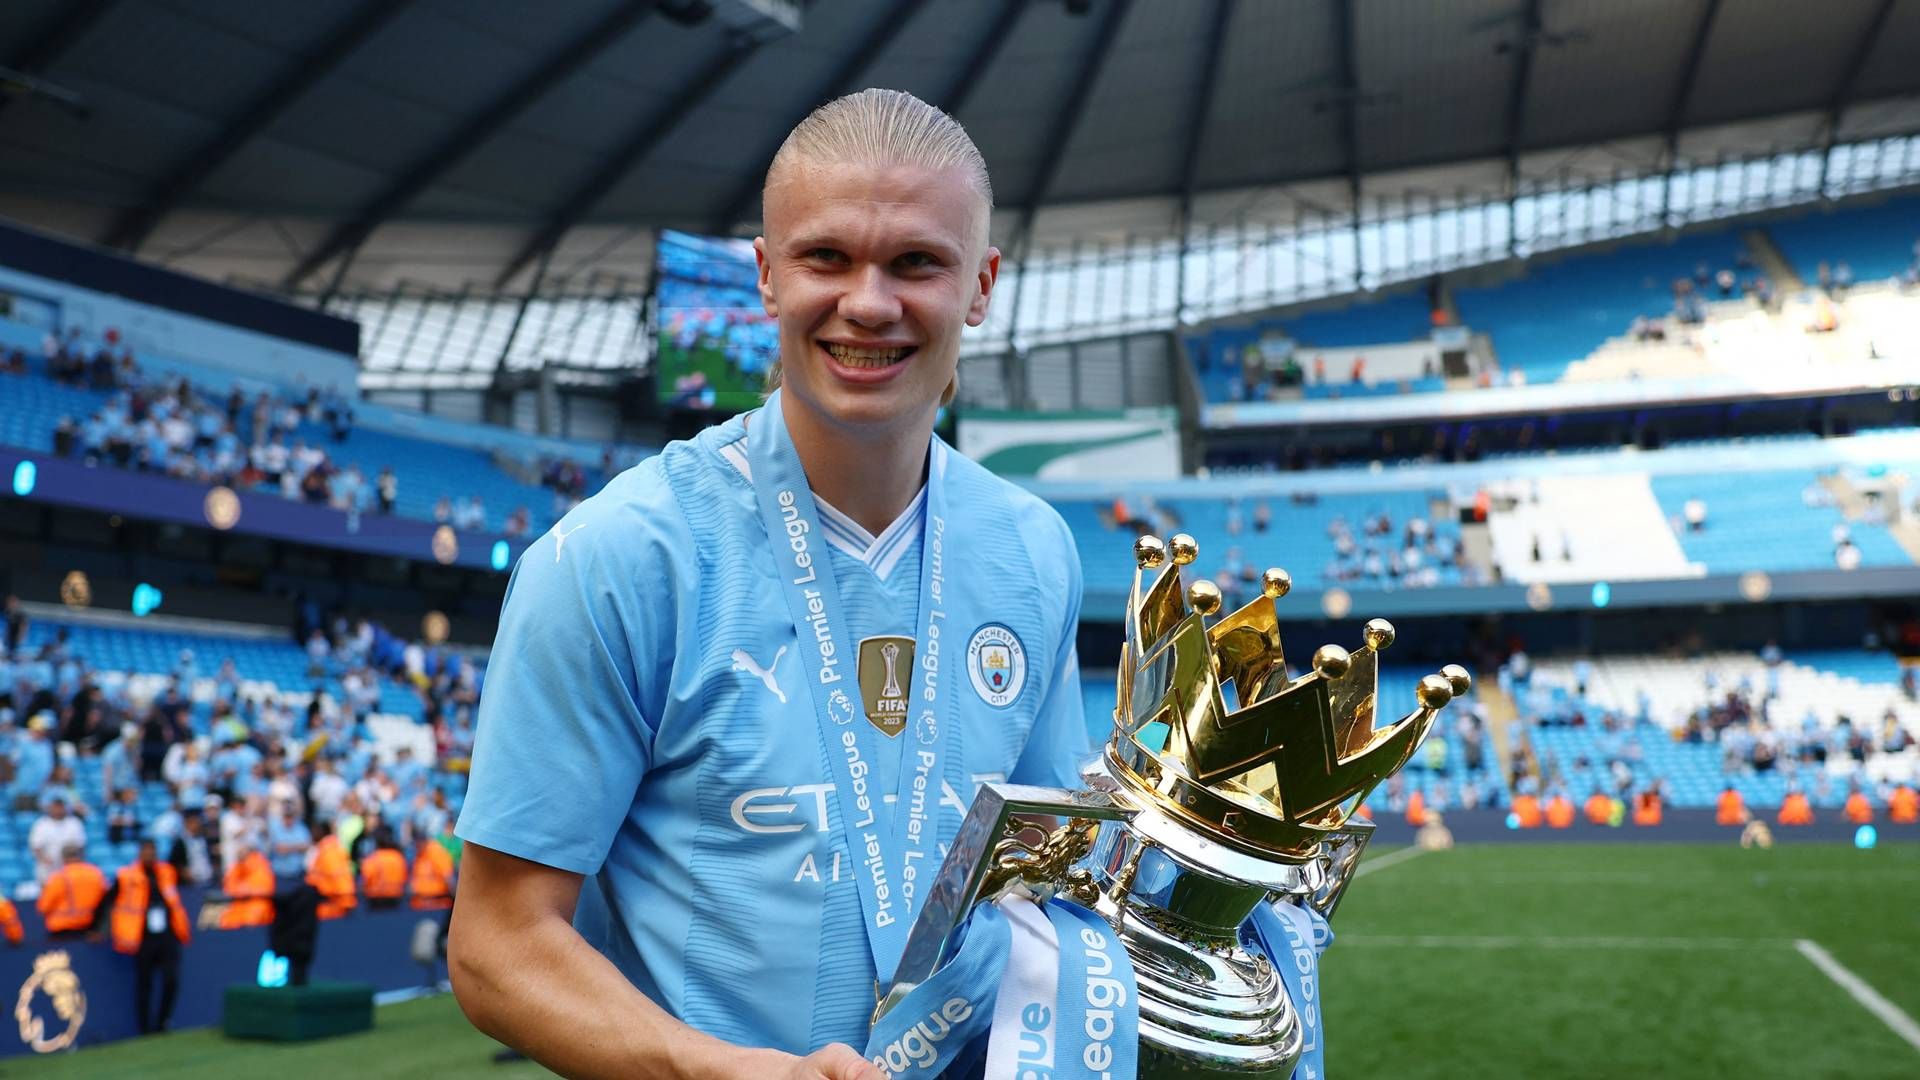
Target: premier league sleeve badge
996,664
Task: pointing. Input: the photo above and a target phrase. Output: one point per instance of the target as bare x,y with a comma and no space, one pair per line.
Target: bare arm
524,976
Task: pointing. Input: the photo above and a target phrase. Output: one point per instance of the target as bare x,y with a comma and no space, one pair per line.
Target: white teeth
865,358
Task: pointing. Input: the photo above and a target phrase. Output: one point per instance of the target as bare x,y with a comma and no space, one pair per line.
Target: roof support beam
1068,118
61,34
1196,129
1055,148
475,131
1849,78
973,73
893,19
132,227
1677,109
1530,28
629,154
1346,48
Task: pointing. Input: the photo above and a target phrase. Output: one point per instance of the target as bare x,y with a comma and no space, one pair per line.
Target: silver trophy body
1211,1001
1227,783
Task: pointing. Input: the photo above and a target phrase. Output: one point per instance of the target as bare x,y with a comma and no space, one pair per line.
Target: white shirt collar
881,553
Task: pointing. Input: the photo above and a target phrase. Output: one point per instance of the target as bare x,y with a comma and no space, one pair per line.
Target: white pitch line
1389,859
1469,941
1858,989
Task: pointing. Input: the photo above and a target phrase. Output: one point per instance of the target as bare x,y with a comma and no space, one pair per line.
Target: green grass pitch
1495,961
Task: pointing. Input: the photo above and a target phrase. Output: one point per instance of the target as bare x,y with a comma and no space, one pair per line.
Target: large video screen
716,341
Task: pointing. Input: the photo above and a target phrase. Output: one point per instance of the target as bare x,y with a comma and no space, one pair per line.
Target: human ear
988,274
765,274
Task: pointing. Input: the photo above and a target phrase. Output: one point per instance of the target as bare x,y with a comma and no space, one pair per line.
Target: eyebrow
919,243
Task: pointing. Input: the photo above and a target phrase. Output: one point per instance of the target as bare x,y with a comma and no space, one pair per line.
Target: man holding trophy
765,718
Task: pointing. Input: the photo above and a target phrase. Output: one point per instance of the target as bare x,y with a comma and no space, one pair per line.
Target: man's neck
871,480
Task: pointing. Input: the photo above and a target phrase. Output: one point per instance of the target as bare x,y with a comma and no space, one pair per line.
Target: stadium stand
434,480
1875,242
1821,722
251,703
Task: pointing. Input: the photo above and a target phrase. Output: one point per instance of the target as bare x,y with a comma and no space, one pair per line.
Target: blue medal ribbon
945,1016
891,849
1295,937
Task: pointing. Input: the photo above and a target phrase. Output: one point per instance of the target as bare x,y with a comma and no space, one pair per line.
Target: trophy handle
1341,849
987,856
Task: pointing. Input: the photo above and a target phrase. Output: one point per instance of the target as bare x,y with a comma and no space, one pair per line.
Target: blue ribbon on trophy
1048,985
1295,937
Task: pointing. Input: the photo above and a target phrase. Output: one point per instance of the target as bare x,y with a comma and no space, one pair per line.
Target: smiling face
872,273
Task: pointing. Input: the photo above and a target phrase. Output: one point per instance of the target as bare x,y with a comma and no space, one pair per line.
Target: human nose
869,299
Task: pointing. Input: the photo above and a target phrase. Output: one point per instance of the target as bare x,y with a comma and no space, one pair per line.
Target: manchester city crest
996,664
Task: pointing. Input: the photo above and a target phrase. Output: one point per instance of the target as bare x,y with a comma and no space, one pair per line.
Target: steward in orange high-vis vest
432,877
71,897
1599,809
331,874
1559,812
1858,811
383,874
1646,807
149,924
1795,809
1903,806
1526,809
10,922
1416,809
1730,808
249,888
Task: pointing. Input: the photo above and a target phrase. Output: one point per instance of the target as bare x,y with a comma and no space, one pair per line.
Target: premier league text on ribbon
797,529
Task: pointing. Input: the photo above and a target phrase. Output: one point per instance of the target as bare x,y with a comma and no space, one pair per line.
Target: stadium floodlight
146,599
25,475
1602,594
502,554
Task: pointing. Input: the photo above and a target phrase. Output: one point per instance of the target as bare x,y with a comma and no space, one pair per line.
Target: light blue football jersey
645,721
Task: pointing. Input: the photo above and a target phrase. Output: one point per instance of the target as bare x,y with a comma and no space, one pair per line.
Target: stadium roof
280,141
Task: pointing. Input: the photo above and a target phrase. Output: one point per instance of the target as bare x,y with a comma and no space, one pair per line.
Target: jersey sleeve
574,688
1057,744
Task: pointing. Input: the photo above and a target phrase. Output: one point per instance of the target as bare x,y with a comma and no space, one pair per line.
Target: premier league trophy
1226,784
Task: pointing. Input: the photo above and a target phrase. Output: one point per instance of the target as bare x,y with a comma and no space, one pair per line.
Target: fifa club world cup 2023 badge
886,677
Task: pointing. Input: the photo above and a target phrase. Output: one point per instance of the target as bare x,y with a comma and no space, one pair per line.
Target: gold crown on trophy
1288,759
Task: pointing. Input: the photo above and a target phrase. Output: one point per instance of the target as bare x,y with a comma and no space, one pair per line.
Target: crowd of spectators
263,442
1377,555
1744,719
266,770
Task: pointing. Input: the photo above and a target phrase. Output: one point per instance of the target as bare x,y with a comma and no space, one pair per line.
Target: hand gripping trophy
1226,785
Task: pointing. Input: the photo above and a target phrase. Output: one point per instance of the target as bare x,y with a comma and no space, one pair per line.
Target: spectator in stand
17,622
191,853
55,831
289,839
387,489
123,817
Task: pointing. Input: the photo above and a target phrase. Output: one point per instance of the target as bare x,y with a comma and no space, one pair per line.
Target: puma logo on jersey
743,662
560,538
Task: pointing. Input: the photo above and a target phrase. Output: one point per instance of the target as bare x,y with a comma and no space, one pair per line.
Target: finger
841,1062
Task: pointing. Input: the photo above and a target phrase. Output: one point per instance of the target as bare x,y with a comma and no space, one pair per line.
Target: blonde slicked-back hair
880,129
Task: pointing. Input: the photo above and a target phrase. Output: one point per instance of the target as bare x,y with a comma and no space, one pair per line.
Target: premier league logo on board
997,664
840,707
